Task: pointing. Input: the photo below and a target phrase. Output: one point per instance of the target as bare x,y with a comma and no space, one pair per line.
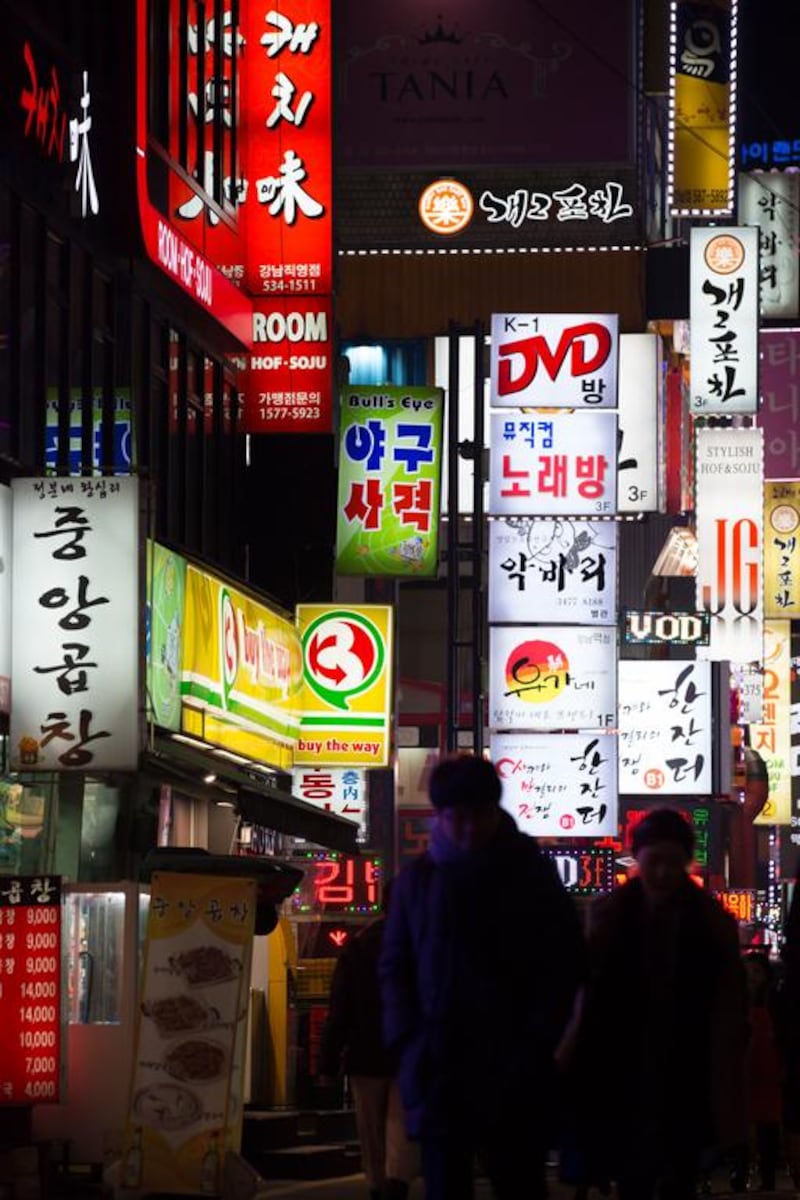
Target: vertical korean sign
30,989
347,685
723,304
701,114
729,502
782,548
559,785
389,479
665,728
186,1092
770,202
772,737
286,127
75,602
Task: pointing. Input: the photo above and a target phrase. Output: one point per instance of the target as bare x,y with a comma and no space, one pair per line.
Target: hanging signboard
30,989
770,202
672,628
339,790
549,360
702,127
186,1093
166,589
639,415
241,672
772,738
729,503
779,414
559,785
723,305
553,464
389,476
665,727
346,700
552,677
782,549
560,570
75,611
6,536
288,381
584,872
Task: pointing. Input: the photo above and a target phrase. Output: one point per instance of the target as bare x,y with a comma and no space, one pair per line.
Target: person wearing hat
481,961
663,1022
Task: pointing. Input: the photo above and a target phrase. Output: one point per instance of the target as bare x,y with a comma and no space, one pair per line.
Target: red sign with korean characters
30,989
338,883
288,382
286,131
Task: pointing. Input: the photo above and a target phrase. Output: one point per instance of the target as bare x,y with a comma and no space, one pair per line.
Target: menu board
187,1091
30,989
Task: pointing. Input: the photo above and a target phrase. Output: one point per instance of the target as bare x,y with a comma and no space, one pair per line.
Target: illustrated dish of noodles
179,1014
205,964
196,1061
166,1106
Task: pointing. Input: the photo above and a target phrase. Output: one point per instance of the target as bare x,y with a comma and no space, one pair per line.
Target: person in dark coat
659,1045
481,961
789,1033
352,1042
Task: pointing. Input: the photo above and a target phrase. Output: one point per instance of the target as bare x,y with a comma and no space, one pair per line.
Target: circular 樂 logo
784,518
343,655
446,207
724,254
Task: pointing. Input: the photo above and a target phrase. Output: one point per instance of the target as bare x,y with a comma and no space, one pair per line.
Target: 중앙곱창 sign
389,480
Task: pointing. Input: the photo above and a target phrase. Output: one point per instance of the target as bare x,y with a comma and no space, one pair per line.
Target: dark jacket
481,960
352,1036
663,1028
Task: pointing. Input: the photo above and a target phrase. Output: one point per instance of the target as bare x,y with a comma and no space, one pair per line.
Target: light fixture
224,803
678,555
210,778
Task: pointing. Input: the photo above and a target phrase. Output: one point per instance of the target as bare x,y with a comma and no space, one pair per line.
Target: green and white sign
389,481
166,587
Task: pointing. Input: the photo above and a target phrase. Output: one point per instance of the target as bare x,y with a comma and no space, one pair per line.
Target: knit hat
663,825
464,779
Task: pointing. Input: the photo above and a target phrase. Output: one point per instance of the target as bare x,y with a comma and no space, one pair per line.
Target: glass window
94,929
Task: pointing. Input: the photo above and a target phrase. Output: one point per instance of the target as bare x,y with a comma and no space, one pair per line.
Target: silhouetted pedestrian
352,1042
662,1028
481,961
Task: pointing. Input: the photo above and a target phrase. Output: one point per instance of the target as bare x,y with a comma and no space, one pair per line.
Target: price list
30,989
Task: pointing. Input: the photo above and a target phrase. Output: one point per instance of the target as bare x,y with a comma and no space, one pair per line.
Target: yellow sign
782,549
186,1097
347,682
772,738
241,672
702,174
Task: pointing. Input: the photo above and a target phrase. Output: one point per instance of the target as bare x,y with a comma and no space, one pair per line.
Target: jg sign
679,628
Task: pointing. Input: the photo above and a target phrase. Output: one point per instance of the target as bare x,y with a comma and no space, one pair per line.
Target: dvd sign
677,629
289,376
554,360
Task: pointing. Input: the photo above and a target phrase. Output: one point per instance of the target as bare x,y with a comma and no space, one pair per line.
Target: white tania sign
559,785
552,677
553,464
75,613
723,310
554,360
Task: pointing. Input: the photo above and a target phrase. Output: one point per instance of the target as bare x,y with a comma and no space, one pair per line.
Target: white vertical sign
723,310
338,790
5,598
770,201
639,392
665,727
75,612
729,513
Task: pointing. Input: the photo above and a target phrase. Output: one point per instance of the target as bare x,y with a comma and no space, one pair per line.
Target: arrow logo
338,937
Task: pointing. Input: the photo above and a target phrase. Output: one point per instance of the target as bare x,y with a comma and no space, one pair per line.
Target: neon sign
338,884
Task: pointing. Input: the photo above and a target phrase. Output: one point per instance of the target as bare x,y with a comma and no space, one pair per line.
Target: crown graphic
439,34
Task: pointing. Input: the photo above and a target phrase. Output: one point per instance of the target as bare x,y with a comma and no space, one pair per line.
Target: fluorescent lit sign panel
554,360
347,685
770,202
729,474
559,570
702,108
559,785
664,727
241,672
723,304
553,464
782,549
551,677
75,613
389,476
288,381
772,738
640,388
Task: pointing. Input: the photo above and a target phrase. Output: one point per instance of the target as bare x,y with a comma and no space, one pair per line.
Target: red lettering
574,342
